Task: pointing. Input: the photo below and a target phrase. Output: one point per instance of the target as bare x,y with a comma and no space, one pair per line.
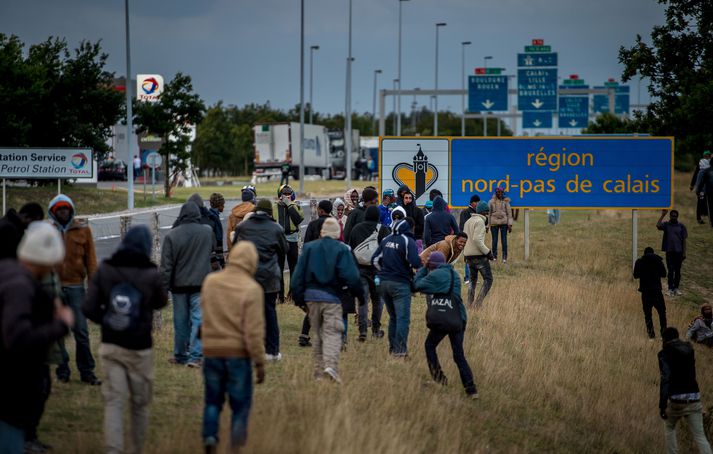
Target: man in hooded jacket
238,213
407,200
127,346
439,223
370,197
80,262
289,216
185,262
212,221
649,269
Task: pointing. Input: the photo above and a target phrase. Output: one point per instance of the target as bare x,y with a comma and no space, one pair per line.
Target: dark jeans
44,387
479,264
306,326
74,298
292,255
272,329
234,377
674,260
397,299
466,375
503,229
653,300
377,306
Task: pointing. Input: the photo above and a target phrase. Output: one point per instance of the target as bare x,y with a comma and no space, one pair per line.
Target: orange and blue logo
149,85
79,160
419,177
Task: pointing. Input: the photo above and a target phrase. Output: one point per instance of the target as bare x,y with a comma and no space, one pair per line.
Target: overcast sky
243,51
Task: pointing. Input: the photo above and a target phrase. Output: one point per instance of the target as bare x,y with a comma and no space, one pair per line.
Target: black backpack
124,309
443,313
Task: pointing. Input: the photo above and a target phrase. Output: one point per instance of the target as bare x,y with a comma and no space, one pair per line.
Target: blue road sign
537,60
487,93
536,119
571,172
621,100
537,89
573,111
600,103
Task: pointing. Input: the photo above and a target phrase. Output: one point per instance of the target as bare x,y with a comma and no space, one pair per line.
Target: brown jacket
445,246
233,308
237,214
500,212
80,258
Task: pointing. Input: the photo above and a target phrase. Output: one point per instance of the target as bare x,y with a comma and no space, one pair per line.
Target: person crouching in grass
233,334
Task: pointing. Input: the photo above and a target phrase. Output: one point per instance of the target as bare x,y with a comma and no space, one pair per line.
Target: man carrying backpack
122,296
364,241
446,316
289,215
394,260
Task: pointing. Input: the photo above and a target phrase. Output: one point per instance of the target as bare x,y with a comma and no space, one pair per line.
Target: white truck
277,145
336,150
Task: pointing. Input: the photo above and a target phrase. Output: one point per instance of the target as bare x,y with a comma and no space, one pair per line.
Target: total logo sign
419,163
149,87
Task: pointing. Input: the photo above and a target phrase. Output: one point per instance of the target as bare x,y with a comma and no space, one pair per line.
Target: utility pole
462,82
311,70
129,114
302,97
435,108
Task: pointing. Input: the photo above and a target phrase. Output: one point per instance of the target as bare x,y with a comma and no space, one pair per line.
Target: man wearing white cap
30,322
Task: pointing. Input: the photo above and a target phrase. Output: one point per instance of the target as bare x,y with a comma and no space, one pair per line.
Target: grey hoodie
186,251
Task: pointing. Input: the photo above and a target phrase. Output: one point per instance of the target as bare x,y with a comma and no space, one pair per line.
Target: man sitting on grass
700,327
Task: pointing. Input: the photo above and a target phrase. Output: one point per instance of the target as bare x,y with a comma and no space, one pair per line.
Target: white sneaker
277,357
670,293
505,260
677,292
333,374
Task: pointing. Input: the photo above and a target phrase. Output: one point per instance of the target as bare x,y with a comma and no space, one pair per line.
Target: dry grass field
559,353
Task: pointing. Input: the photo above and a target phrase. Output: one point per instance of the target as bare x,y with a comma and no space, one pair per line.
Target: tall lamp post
462,80
435,108
398,76
311,67
348,113
302,96
485,114
129,113
485,60
373,102
393,130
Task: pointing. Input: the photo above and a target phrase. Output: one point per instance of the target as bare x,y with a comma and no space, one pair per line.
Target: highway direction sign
487,93
537,120
535,60
537,89
573,111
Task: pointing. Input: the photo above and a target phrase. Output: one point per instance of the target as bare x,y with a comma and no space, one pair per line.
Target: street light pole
485,61
129,114
435,108
302,96
311,67
348,115
462,82
398,76
373,105
485,114
393,130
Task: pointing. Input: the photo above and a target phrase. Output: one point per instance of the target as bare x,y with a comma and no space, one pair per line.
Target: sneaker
333,374
197,364
473,396
269,357
91,380
466,282
378,334
700,221
362,338
304,341
211,445
175,362
63,378
677,292
671,293
505,260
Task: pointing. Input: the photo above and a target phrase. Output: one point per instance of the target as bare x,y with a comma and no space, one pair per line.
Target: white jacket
475,229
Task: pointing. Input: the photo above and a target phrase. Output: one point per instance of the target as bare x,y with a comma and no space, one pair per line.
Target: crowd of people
359,255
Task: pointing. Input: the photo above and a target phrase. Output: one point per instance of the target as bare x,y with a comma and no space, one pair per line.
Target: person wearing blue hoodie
80,263
439,223
394,261
436,278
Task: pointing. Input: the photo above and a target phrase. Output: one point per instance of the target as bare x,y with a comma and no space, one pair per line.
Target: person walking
451,247
80,262
394,261
702,165
30,323
217,205
705,191
324,267
13,226
464,216
185,262
407,201
285,172
206,218
679,395
289,216
441,283
701,328
137,166
649,270
477,255
674,244
233,341
364,239
248,196
122,296
338,214
500,221
269,239
370,197
387,204
439,223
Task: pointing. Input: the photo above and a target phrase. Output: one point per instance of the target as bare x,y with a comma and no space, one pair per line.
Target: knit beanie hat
436,259
331,229
325,205
482,207
264,205
41,245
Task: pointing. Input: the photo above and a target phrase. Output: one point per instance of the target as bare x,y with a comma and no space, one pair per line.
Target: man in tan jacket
451,247
233,340
238,213
477,254
80,262
500,221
